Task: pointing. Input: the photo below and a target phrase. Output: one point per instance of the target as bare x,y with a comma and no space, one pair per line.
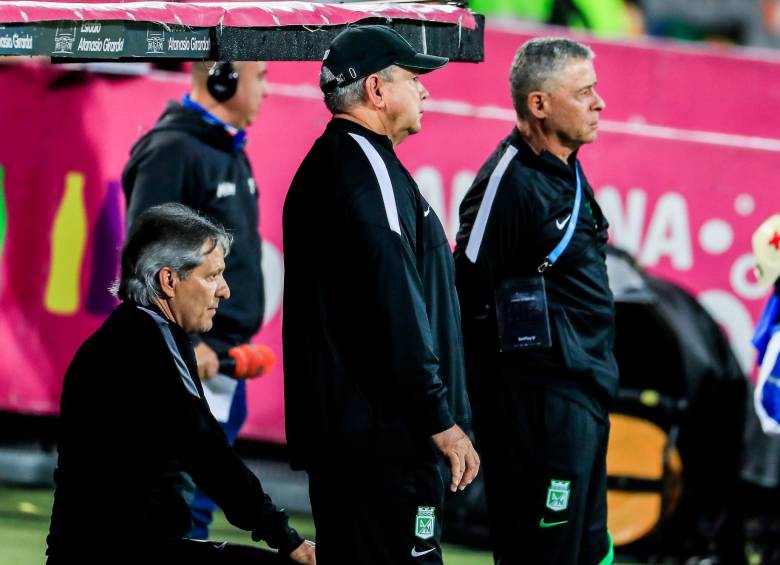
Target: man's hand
208,363
304,553
464,461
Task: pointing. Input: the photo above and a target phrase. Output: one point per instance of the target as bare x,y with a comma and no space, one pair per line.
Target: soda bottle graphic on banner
68,240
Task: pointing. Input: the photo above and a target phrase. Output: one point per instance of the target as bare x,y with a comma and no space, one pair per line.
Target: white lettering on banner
178,44
432,188
200,44
94,45
113,46
431,184
460,186
16,41
742,279
669,234
716,236
730,313
191,44
91,27
97,46
625,224
23,41
272,266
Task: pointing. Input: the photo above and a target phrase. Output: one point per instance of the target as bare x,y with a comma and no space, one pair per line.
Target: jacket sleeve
389,275
766,396
509,233
217,469
190,430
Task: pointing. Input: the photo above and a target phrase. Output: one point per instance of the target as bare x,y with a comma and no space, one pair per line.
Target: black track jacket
185,159
131,425
373,360
528,217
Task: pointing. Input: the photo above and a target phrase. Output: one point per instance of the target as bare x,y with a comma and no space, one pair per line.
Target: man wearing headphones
195,155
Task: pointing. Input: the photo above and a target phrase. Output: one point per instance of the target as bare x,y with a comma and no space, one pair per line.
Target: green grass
24,523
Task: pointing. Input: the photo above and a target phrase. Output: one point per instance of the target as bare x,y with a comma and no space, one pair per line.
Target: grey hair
537,63
342,99
169,235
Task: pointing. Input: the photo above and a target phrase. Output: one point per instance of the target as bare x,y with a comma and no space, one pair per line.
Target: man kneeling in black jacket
153,438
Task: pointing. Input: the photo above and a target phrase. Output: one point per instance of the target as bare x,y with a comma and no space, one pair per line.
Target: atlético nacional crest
558,495
425,523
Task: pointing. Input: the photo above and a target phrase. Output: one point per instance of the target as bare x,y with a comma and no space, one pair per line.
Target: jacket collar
238,135
340,124
177,117
545,160
130,306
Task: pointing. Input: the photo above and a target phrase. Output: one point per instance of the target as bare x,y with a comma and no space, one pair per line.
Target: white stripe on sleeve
478,230
383,177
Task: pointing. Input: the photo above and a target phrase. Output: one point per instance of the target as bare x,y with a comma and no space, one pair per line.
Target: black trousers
378,513
181,551
544,460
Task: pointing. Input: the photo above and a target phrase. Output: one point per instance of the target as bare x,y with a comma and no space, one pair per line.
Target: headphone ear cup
222,82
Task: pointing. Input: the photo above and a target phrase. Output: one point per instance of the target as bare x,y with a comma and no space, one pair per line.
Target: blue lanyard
575,214
239,135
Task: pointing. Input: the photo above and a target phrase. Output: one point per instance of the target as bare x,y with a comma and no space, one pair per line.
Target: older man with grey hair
538,317
373,366
134,419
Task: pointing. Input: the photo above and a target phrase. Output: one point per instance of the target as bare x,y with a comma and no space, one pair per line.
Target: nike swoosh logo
561,223
543,524
428,211
416,553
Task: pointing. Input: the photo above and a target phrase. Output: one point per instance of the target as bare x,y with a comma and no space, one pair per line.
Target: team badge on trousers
558,495
425,522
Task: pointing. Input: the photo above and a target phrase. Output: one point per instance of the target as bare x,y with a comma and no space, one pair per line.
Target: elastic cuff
289,542
278,534
437,418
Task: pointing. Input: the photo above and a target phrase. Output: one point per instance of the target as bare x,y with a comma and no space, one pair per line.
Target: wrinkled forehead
212,251
575,73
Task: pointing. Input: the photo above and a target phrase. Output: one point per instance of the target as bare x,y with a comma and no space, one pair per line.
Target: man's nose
423,91
600,104
223,290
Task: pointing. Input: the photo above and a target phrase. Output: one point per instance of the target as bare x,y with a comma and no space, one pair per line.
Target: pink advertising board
684,167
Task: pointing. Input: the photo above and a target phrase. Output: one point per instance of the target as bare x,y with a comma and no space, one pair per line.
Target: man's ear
374,91
537,104
168,280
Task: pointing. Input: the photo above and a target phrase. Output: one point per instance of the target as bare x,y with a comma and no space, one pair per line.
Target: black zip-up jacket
373,360
185,159
533,203
132,423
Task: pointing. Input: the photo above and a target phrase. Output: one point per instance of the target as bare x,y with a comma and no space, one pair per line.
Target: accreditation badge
521,314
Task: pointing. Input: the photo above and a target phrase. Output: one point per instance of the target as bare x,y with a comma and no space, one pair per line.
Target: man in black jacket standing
137,376
539,317
374,376
195,155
